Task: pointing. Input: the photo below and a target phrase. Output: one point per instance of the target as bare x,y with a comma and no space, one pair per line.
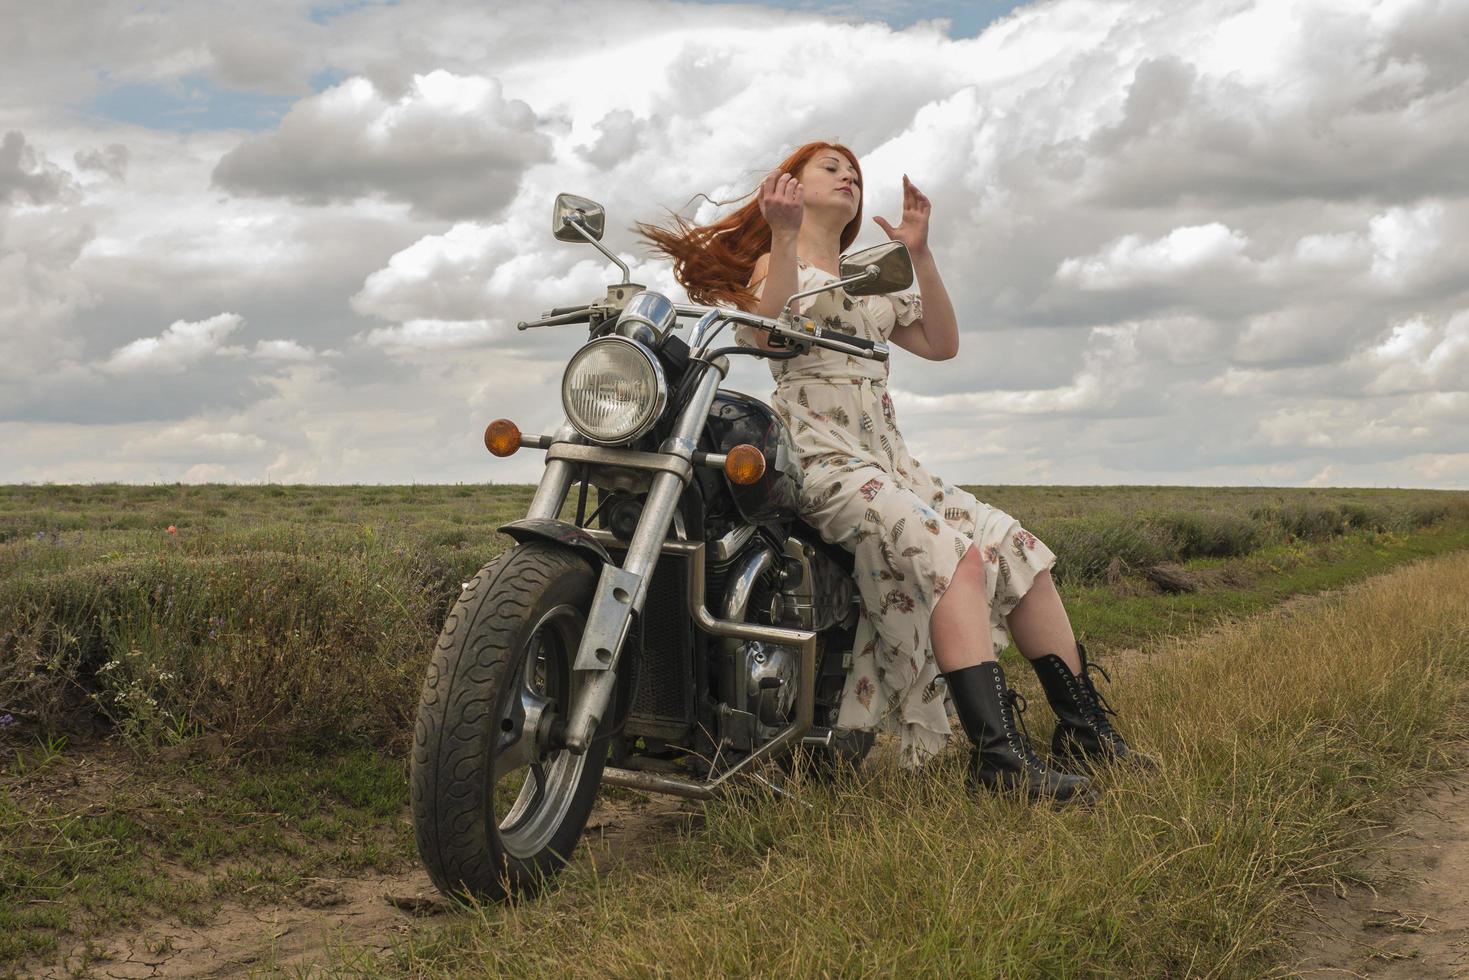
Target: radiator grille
663,704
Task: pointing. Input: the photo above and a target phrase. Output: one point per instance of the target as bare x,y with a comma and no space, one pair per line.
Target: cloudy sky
1223,242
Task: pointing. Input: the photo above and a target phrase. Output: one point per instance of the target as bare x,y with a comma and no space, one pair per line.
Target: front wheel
496,808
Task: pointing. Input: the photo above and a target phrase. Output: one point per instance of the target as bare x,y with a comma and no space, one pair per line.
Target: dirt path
354,915
1417,927
368,913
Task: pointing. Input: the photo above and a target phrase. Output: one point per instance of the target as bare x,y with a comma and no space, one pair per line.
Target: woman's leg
1002,758
1084,733
1039,624
960,624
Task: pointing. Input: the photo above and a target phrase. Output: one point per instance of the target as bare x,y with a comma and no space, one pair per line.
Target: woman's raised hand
782,202
913,230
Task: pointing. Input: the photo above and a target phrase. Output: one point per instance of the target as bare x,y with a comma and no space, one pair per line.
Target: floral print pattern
907,528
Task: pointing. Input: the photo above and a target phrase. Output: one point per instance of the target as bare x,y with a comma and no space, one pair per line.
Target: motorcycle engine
771,674
816,593
800,589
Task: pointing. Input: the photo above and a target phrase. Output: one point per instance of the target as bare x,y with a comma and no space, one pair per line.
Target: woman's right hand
782,203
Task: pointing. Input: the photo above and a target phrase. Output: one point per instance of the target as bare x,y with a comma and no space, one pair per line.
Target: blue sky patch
189,104
967,17
325,13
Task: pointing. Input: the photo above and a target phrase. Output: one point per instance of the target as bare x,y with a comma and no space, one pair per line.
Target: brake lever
557,318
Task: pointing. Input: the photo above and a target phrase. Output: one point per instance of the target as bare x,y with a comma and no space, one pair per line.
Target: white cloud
1404,240
414,336
282,350
1132,261
183,344
26,176
1420,355
1186,241
195,438
449,146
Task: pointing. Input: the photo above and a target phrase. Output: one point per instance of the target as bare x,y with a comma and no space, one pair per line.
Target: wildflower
6,721
172,529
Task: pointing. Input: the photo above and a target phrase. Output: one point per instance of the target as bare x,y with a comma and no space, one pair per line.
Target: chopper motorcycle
687,629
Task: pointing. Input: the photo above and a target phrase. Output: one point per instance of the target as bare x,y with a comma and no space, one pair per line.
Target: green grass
272,613
1283,739
1112,617
255,674
98,840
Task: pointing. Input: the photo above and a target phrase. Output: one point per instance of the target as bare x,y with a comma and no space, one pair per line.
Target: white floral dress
907,528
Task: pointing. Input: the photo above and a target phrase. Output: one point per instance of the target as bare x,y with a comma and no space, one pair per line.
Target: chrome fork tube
622,591
555,479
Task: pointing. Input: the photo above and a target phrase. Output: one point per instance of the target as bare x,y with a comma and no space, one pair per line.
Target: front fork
622,591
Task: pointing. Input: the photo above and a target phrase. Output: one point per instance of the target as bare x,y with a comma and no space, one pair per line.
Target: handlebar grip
846,338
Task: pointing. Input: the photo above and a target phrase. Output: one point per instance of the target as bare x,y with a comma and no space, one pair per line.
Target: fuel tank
736,418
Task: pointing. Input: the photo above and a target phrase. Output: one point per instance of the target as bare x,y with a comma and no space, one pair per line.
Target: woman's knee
971,565
1043,584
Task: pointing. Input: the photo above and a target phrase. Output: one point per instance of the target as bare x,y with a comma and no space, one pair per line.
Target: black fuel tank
736,418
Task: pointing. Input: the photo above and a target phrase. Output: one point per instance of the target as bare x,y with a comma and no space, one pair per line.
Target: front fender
558,532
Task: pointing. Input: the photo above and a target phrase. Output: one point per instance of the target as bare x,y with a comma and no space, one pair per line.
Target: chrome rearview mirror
874,271
578,219
883,269
586,214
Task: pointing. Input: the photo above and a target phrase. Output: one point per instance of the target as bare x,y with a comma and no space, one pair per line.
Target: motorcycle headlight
613,390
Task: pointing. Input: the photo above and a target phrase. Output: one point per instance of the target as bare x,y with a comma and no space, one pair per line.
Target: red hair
715,262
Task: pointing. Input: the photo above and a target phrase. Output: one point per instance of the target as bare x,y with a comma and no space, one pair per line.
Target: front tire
496,809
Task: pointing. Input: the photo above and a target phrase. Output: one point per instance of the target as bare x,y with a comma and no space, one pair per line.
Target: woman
945,580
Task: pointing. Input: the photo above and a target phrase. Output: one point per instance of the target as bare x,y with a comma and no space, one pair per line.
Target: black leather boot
1084,735
1002,758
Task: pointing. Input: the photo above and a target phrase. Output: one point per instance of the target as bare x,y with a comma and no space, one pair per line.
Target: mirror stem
575,222
867,274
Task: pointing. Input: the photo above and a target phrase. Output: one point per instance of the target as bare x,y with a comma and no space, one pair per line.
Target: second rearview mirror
593,218
893,264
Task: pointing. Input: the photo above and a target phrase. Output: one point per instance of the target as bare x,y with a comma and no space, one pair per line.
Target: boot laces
1017,708
1097,699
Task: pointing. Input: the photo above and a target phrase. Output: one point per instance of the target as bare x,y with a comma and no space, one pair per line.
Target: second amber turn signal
744,465
502,437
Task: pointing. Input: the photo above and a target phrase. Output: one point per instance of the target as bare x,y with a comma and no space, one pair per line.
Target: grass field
242,664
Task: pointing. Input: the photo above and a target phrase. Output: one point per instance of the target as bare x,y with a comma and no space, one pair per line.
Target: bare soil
367,913
1416,926
364,914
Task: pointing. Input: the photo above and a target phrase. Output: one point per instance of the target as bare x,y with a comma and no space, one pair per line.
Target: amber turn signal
502,437
744,465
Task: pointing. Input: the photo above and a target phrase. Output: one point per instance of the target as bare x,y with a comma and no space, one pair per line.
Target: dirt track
1417,927
361,915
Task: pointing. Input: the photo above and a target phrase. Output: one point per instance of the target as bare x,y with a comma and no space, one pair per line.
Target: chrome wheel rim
543,782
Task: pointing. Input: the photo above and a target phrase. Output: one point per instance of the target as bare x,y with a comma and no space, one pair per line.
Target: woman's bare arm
935,335
782,204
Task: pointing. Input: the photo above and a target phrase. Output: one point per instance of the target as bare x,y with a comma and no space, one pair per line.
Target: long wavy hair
714,262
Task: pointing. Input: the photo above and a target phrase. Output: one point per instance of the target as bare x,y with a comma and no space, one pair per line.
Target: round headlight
613,390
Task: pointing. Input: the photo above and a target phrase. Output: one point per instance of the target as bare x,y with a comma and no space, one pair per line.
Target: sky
1211,243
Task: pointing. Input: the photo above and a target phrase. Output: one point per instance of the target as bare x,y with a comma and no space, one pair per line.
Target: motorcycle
686,630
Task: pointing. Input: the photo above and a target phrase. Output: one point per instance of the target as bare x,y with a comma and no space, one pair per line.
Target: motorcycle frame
622,590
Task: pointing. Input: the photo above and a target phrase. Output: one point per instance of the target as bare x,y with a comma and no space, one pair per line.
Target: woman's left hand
913,231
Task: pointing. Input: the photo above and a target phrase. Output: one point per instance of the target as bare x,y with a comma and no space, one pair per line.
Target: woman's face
831,181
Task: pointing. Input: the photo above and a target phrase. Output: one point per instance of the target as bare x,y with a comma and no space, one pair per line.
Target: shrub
253,645
1206,534
1086,547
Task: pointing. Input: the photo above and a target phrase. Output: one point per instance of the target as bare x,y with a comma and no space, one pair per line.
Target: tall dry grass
1283,738
273,613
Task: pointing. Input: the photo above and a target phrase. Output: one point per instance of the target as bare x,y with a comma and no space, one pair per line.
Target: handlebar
849,339
560,316
821,337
